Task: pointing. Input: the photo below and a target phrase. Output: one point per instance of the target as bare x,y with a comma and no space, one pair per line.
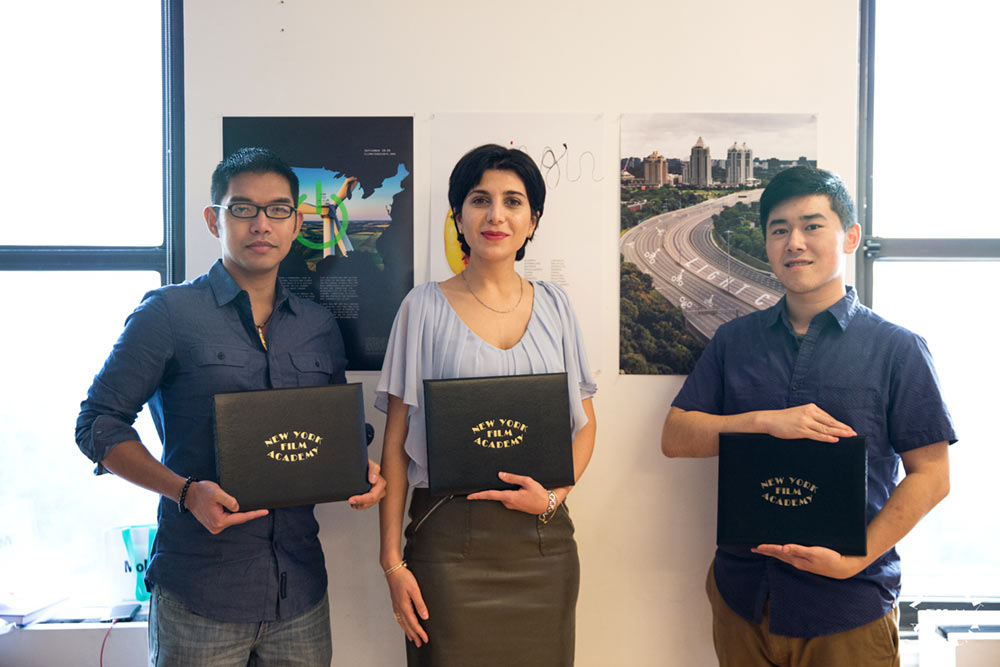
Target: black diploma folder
775,491
285,447
477,427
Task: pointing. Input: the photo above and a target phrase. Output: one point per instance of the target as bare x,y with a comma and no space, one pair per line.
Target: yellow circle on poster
457,259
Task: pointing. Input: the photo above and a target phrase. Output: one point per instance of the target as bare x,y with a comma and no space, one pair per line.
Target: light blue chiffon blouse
429,341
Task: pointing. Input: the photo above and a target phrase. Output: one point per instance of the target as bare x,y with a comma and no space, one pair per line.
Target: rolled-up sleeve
129,378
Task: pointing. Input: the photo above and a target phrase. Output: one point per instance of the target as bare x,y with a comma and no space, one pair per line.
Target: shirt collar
841,312
776,313
844,310
226,289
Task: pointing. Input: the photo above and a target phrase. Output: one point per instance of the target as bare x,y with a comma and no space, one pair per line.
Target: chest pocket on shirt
312,368
749,397
859,408
218,355
219,368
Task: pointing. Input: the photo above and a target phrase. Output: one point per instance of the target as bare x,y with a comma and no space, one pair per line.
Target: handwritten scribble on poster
572,234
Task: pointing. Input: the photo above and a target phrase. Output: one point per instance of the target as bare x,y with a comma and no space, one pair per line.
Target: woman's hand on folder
375,494
215,509
531,498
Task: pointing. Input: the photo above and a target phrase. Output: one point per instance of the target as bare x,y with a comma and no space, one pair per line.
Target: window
94,196
931,253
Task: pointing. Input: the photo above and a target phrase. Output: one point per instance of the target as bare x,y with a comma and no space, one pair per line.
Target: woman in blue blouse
490,578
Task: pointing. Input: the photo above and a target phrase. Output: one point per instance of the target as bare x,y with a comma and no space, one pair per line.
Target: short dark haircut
468,173
255,160
804,181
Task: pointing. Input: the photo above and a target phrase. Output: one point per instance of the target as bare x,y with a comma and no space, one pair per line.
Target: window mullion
80,258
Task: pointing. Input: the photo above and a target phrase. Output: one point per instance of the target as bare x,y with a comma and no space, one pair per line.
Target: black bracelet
184,491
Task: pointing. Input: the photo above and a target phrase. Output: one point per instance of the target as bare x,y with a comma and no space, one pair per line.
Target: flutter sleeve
401,369
409,354
578,374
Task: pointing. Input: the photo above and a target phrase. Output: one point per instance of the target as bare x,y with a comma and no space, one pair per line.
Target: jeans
179,637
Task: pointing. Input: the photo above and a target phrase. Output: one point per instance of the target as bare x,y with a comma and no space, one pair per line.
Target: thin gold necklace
486,305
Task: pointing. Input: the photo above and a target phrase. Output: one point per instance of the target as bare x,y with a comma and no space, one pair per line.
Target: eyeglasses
246,210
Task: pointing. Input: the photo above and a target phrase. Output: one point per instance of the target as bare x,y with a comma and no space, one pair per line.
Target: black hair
468,173
804,181
255,160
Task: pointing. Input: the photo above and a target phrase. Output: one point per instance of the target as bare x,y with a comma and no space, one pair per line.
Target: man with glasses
229,587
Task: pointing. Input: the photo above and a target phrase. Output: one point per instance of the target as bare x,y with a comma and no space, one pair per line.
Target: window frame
167,259
877,248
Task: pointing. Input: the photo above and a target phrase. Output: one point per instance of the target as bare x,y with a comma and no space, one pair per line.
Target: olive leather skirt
500,586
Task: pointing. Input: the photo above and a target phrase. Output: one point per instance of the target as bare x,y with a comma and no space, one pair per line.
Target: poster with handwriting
568,149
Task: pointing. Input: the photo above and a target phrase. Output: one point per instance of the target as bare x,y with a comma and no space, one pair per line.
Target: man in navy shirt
817,365
229,587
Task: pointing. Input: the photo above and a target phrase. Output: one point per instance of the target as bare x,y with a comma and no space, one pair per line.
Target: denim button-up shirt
874,376
183,344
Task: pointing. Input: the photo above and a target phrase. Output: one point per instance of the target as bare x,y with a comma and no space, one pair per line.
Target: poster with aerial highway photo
692,251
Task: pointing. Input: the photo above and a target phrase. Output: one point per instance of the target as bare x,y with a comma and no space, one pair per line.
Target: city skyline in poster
692,253
354,254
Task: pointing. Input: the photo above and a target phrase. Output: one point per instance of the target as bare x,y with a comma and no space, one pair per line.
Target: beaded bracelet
184,491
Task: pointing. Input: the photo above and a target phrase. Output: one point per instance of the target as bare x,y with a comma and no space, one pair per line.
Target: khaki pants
743,643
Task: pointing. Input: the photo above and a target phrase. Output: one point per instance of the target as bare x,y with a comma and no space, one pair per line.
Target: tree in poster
653,337
736,230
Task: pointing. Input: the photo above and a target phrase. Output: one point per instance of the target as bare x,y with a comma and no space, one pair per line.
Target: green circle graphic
343,228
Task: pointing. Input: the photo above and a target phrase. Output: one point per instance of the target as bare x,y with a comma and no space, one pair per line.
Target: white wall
645,525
